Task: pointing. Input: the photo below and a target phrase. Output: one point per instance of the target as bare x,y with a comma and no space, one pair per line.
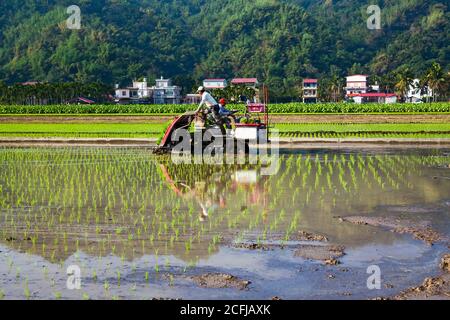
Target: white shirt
208,100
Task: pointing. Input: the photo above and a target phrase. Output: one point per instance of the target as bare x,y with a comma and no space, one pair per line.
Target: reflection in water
128,203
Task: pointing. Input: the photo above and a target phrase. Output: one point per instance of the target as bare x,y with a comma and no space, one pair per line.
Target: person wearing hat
207,100
223,111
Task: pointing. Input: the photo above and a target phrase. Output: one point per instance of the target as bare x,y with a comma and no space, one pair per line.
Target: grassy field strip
90,130
77,127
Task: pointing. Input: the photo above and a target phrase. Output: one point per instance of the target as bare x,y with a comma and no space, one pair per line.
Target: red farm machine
251,127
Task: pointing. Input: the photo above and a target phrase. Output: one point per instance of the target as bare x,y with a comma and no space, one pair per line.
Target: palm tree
387,83
404,82
423,87
324,90
335,87
436,80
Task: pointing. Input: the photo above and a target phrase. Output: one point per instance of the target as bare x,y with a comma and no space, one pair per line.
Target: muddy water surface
140,227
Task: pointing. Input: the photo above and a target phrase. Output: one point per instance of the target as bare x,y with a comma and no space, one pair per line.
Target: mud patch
445,263
220,281
329,254
307,236
419,230
431,288
256,246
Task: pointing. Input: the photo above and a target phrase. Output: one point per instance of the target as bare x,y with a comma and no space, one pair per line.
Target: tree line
54,93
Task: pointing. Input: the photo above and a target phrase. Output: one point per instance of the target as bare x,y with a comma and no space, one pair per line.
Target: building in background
192,98
415,94
128,95
163,92
215,84
139,92
249,82
356,84
373,97
143,90
374,87
310,90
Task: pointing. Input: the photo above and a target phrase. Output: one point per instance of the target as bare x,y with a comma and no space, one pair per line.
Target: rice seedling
103,202
118,278
26,290
106,286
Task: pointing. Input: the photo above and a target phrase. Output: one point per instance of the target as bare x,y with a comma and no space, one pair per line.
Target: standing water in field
138,226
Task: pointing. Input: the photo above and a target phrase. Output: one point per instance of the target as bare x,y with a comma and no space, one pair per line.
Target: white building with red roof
373,97
356,84
310,90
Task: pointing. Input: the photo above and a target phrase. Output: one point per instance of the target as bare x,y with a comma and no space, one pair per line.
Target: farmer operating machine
250,128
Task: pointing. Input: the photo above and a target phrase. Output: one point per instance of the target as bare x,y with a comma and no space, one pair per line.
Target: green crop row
366,135
273,108
359,108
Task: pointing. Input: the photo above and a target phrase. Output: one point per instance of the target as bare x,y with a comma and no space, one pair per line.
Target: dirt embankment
308,118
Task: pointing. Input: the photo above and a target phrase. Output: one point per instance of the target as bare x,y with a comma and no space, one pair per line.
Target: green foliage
359,108
95,109
280,42
273,108
48,93
234,93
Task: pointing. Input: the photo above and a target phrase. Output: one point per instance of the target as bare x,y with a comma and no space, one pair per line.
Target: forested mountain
278,41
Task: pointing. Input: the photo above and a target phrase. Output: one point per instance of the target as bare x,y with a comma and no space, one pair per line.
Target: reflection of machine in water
212,190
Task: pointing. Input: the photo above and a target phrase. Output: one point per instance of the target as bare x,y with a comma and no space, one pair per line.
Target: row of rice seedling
364,135
119,197
56,202
343,130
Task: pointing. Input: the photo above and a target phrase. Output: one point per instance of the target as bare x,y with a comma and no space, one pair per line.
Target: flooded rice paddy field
140,227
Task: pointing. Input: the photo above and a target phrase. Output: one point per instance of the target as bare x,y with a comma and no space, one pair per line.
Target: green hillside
278,41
